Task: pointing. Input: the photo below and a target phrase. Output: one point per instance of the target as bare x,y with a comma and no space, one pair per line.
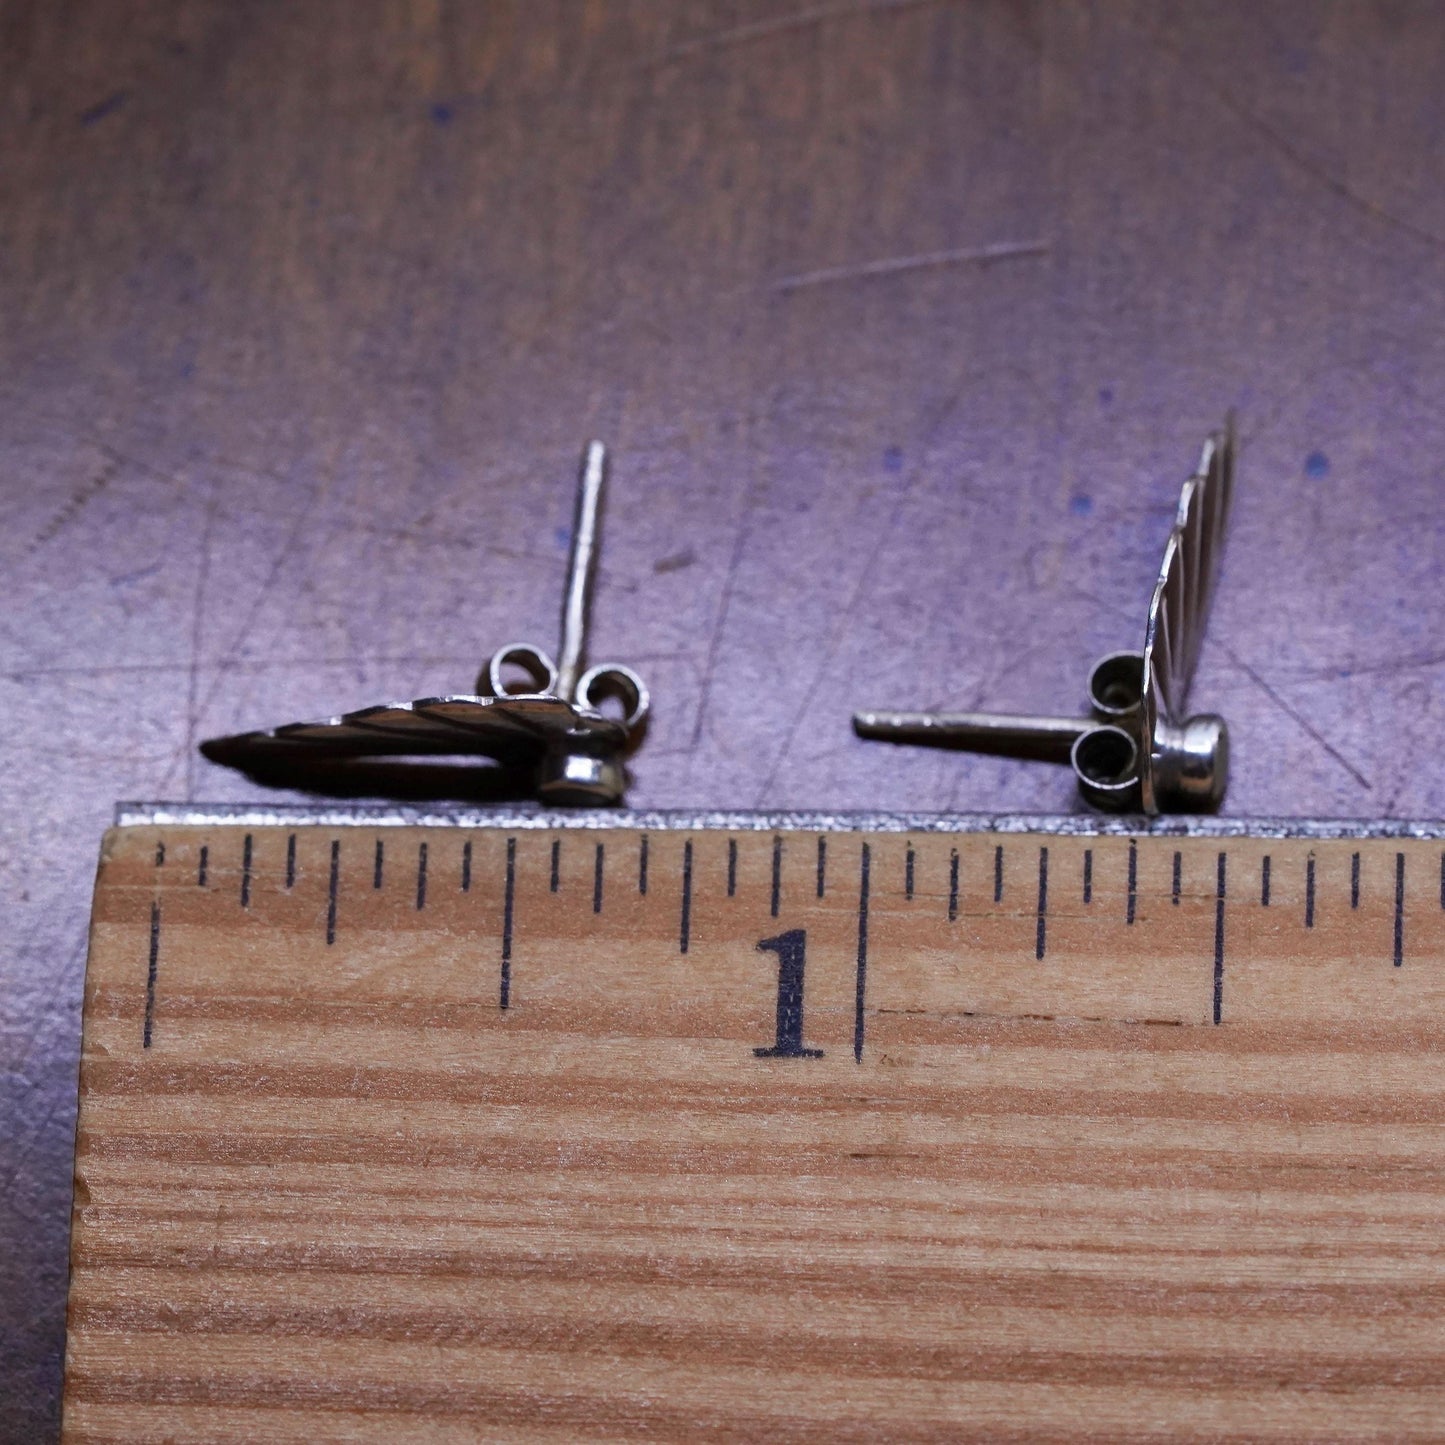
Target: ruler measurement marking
377,866
1044,901
860,988
732,869
684,926
1133,902
792,951
1399,909
247,844
1088,875
1219,893
509,893
203,865
253,873
151,969
823,865
332,889
556,881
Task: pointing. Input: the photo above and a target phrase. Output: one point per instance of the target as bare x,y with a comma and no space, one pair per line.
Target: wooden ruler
450,1133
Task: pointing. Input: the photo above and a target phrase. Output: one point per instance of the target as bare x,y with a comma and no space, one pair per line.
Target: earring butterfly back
1139,751
527,710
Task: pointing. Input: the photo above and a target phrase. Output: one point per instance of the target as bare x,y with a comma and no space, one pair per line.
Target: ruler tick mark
1442,880
823,865
203,865
998,874
597,880
467,866
1310,891
376,867
777,873
290,861
1264,882
908,874
556,882
642,866
160,854
953,886
1219,941
1399,909
1355,880
1178,871
421,877
332,889
1088,875
155,953
732,867
504,987
247,844
860,992
1133,882
684,930
1044,901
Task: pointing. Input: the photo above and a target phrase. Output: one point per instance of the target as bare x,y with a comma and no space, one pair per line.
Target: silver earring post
1138,751
527,708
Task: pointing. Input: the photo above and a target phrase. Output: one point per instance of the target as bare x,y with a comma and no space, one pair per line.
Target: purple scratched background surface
306,311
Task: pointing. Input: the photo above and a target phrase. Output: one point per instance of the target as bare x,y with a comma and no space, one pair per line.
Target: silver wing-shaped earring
551,721
1139,752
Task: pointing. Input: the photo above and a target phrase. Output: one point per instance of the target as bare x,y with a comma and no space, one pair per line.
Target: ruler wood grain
449,1134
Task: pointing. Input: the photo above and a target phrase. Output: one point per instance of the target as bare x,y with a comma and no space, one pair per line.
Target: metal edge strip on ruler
1082,825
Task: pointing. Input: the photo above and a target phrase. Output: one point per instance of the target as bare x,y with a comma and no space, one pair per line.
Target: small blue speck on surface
1106,395
892,459
1317,465
1081,504
441,113
563,538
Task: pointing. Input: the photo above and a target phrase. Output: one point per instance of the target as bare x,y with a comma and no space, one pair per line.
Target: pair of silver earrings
1137,752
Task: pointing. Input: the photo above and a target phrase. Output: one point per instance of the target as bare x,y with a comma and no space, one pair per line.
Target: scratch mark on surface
1296,717
1301,161
675,563
714,642
902,493
735,35
77,501
198,616
129,579
894,265
103,108
230,655
1385,665
284,664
